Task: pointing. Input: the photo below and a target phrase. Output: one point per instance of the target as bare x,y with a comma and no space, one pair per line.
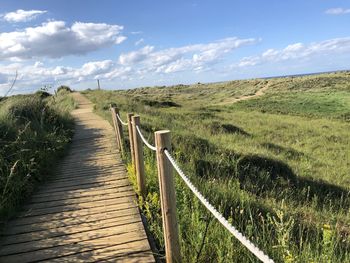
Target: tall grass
278,171
34,130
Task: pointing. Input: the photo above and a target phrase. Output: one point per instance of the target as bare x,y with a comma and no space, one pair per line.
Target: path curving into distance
259,93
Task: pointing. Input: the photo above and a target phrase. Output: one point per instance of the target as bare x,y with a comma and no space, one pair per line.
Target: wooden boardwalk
87,212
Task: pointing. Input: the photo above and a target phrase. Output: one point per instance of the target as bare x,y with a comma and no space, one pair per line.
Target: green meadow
276,165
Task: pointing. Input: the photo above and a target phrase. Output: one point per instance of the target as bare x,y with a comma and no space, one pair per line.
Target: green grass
321,104
34,130
277,165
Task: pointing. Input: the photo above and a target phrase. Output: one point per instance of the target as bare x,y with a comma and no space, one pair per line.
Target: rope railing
166,163
153,148
245,241
121,121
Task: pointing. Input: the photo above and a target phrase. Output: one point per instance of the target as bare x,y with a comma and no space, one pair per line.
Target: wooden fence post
131,139
115,126
139,163
167,198
120,131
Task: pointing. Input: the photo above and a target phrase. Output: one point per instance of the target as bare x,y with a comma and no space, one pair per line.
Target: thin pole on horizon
12,85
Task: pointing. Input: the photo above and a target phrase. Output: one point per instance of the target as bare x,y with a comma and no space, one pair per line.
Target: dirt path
259,93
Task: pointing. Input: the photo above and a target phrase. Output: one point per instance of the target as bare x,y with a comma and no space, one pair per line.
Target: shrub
42,94
65,88
160,104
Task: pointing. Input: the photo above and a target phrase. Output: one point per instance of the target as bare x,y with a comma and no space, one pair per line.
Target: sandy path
259,93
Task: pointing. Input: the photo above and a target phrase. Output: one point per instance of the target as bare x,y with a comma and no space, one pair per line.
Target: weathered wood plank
84,186
88,199
122,187
79,192
75,246
120,253
70,214
68,230
70,221
74,207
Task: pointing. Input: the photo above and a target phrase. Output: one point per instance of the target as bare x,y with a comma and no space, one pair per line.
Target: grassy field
276,165
34,130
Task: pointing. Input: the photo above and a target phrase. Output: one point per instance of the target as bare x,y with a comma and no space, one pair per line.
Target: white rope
144,140
124,123
246,242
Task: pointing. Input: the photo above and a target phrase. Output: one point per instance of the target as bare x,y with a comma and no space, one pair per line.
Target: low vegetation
277,165
34,130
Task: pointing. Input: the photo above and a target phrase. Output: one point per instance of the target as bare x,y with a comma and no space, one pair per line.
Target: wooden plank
67,215
68,173
119,253
90,157
74,177
64,202
69,239
79,206
80,192
75,190
88,147
83,186
67,230
87,180
75,247
70,221
90,164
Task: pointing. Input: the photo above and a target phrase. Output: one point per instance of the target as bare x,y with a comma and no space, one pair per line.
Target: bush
160,104
65,88
42,94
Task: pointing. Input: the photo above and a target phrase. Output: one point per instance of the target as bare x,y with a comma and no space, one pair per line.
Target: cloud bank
54,39
191,57
299,51
150,63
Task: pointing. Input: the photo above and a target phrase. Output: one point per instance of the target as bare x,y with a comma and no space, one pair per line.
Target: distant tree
63,87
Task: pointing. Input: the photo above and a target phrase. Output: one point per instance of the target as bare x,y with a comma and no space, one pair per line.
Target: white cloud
135,56
120,39
140,41
22,15
94,69
118,72
299,51
338,11
54,39
197,56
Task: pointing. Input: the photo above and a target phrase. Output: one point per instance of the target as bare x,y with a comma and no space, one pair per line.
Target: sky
129,44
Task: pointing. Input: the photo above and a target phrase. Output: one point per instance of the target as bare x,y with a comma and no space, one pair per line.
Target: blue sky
131,43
